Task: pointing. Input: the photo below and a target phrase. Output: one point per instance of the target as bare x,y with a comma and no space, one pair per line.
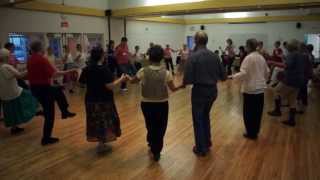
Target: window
20,43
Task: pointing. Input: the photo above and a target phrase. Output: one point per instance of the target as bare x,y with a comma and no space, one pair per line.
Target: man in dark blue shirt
203,70
292,81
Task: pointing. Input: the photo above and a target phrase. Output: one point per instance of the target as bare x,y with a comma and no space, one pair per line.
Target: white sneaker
124,90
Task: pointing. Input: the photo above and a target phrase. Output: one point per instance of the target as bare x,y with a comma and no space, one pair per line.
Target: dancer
103,124
19,106
253,75
229,55
308,73
168,58
123,55
137,58
112,61
69,63
290,84
203,70
184,53
40,74
154,82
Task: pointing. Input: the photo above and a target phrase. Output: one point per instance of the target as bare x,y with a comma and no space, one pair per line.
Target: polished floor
281,153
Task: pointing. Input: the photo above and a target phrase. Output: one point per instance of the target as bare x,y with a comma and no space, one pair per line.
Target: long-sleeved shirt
203,67
253,74
294,71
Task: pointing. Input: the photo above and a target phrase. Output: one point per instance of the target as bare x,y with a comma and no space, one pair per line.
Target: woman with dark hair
112,61
103,124
155,81
253,75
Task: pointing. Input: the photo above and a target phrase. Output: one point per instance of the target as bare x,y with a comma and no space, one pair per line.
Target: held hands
125,78
230,77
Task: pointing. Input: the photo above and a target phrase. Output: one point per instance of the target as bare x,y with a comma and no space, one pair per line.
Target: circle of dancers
287,71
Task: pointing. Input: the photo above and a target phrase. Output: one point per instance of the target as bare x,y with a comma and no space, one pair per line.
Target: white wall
282,31
142,33
14,20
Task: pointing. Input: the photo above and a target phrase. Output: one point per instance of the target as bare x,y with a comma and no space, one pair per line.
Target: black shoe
71,91
289,123
198,153
49,141
39,113
16,130
277,109
250,137
300,112
156,157
274,113
68,115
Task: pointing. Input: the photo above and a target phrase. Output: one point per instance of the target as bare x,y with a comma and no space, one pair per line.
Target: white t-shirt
81,63
69,59
9,88
140,76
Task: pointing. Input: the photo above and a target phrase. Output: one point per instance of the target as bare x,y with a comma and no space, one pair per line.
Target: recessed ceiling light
165,2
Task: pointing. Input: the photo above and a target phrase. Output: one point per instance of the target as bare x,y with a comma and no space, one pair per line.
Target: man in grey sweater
203,70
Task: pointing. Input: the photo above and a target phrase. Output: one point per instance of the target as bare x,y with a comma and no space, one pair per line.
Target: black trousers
60,98
169,64
229,66
202,99
156,118
45,96
252,112
303,93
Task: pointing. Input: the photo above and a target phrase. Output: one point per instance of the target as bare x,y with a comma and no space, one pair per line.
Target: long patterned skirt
103,123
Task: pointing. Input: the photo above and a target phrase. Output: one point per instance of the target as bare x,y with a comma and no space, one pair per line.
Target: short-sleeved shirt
40,71
141,75
122,54
96,77
9,88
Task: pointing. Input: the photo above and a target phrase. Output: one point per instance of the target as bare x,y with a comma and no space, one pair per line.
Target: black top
96,77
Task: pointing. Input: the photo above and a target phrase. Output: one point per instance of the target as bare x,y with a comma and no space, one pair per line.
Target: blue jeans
202,100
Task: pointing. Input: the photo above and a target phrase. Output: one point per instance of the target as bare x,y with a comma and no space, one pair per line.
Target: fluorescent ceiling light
236,15
165,2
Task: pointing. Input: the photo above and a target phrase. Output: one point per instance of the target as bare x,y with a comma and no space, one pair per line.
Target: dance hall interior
159,89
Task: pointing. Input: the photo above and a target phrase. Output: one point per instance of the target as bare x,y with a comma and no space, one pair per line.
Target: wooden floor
280,153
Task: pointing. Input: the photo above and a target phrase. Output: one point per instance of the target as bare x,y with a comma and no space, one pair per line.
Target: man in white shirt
253,75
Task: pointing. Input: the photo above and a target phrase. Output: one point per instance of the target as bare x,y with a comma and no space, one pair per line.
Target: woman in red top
168,58
277,52
40,75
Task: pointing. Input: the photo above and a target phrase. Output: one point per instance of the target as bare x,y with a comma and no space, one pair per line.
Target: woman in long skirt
103,123
19,106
